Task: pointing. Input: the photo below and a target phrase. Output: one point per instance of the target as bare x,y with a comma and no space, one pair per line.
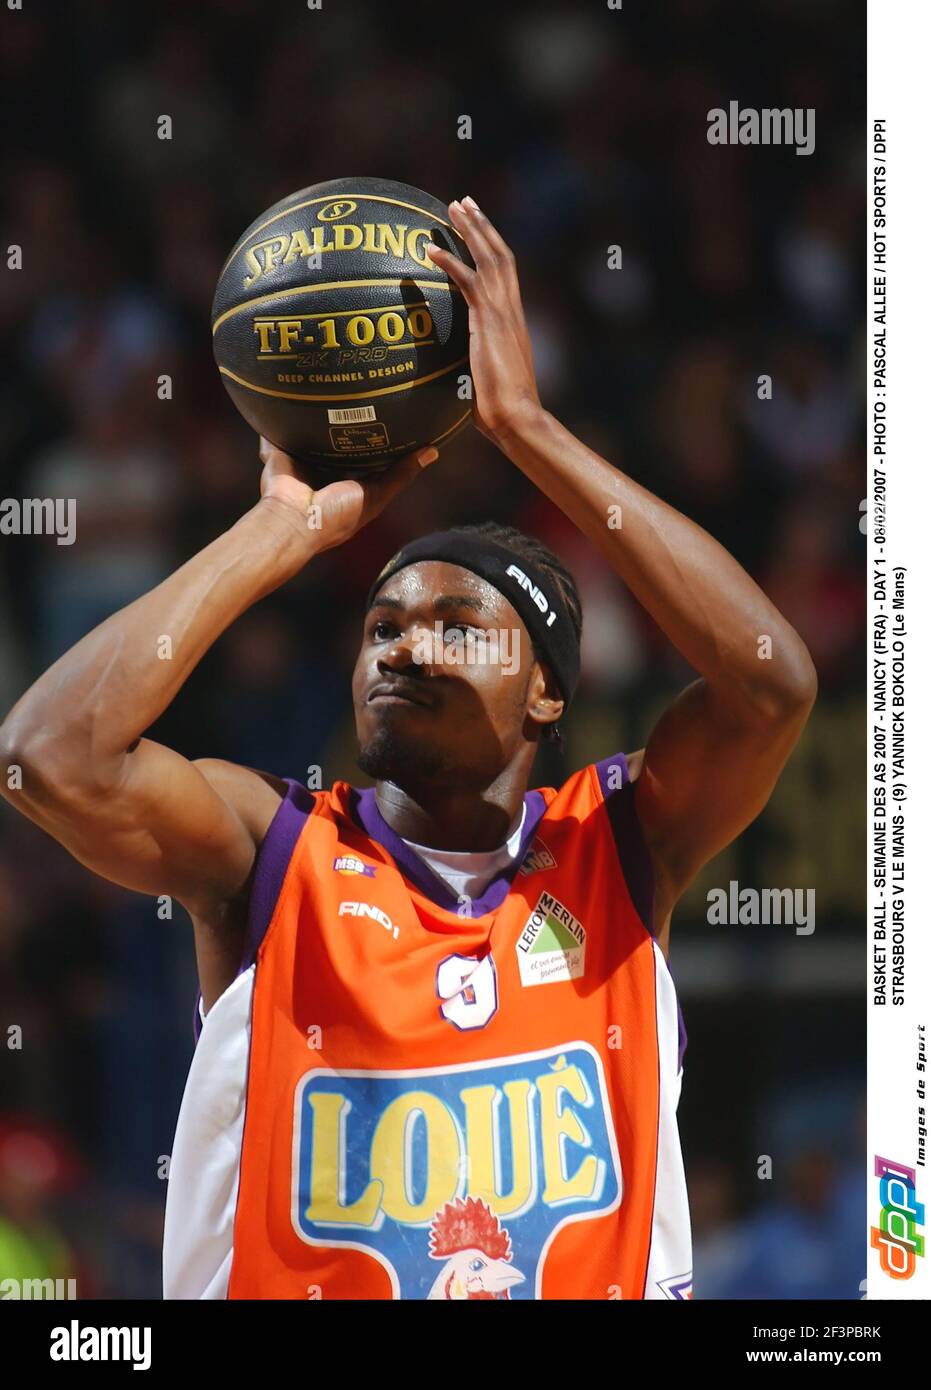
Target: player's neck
455,819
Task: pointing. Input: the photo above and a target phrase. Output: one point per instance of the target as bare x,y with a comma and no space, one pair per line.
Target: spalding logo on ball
336,336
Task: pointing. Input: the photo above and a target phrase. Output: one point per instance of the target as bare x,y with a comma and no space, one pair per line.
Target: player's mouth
398,693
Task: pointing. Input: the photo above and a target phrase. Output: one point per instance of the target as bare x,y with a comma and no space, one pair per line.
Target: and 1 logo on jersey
551,946
455,1179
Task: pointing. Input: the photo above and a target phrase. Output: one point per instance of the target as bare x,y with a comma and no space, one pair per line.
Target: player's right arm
132,810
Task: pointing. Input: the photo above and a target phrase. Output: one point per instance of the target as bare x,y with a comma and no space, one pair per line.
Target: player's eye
462,628
383,631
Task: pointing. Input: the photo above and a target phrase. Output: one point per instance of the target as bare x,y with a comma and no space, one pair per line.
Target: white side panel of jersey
669,1273
203,1183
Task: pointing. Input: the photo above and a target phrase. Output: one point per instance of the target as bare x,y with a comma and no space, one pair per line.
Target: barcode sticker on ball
355,415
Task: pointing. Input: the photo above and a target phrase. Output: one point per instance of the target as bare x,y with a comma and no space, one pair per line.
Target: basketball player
440,1052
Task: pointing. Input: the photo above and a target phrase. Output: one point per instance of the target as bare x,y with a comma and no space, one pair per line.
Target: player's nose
418,648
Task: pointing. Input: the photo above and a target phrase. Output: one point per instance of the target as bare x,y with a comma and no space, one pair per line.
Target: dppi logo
455,1179
896,1237
331,212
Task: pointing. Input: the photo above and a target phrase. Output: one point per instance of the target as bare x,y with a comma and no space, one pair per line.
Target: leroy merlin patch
552,945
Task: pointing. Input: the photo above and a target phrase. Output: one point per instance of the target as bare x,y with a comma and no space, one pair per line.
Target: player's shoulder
603,780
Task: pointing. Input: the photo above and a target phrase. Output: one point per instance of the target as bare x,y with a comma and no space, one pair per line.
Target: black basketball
337,337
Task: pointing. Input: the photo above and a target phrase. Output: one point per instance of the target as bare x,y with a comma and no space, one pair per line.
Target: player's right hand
333,514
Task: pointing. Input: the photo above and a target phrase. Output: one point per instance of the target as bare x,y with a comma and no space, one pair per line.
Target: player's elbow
41,765
788,692
800,680
27,758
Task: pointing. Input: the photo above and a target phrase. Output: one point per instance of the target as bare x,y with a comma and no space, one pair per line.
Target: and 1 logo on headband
536,594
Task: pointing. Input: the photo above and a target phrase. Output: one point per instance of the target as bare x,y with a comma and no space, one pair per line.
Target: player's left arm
716,753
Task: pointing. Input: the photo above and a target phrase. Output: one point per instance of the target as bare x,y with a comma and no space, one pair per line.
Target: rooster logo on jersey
477,1250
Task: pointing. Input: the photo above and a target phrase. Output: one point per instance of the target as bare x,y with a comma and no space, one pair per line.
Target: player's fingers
275,464
489,231
380,491
487,262
457,270
503,255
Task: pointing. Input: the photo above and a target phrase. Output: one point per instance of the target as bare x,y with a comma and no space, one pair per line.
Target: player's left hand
504,387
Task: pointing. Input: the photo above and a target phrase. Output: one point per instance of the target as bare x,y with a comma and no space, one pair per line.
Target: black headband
523,583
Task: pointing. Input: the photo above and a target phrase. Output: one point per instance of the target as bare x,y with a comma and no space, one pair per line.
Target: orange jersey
447,1099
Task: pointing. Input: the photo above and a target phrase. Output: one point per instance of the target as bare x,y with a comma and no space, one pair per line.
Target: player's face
443,678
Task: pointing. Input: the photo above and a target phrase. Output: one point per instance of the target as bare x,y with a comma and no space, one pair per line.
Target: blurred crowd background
588,131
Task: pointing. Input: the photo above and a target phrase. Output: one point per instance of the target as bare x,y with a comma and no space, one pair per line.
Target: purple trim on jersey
683,1035
271,865
604,770
365,810
636,864
632,851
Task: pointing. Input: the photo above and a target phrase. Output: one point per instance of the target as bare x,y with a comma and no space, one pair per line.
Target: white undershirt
467,873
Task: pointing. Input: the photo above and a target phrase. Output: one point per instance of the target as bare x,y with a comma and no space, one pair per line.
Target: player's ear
545,704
